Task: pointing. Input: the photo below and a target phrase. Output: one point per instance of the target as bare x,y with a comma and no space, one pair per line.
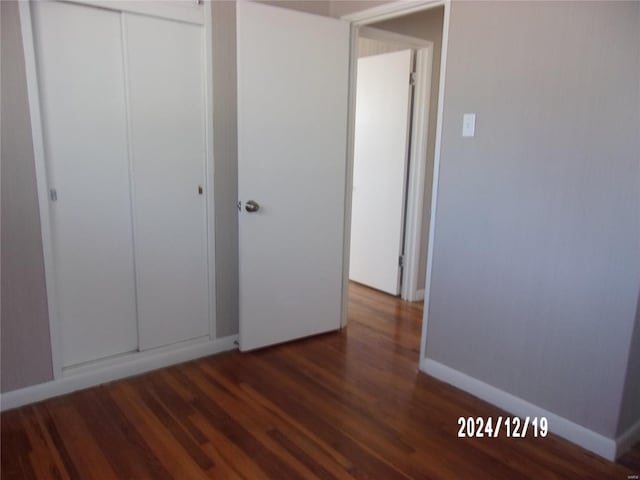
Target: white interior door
80,73
165,67
380,168
292,120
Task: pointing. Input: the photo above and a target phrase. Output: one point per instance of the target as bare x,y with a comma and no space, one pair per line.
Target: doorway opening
394,131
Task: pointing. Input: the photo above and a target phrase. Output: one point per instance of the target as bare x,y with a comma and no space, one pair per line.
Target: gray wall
317,7
370,46
25,342
338,8
428,26
536,266
226,166
630,409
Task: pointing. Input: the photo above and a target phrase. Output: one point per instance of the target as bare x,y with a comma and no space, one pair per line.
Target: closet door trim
196,13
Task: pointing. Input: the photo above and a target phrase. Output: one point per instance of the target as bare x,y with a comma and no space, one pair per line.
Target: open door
381,150
293,71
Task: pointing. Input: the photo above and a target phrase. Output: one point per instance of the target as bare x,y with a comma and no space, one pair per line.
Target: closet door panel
165,64
81,80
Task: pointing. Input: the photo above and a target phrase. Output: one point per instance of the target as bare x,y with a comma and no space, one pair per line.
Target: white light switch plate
469,125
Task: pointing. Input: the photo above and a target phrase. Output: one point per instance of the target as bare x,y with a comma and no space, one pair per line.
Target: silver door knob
251,206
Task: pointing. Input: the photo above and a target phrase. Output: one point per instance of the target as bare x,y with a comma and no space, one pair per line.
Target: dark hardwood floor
342,405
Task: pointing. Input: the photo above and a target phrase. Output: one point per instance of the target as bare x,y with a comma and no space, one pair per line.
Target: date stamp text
509,427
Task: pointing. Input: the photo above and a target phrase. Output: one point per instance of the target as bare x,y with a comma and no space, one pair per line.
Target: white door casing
292,117
381,146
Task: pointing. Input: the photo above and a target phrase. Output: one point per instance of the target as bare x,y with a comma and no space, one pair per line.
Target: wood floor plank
177,404
163,414
344,405
178,459
304,437
82,452
55,440
16,448
244,435
123,445
234,400
43,459
368,427
232,454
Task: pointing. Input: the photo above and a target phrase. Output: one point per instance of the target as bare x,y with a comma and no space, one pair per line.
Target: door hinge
401,261
53,194
412,78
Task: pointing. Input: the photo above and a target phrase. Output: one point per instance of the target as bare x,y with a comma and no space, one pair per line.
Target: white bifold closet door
81,81
165,63
123,117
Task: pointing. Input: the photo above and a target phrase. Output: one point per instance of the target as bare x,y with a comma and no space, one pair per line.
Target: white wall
370,46
536,268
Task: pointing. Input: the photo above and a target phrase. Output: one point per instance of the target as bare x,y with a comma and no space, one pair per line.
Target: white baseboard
628,439
588,439
419,295
113,369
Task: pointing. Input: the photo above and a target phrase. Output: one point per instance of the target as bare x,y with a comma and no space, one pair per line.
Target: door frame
417,154
359,20
195,13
